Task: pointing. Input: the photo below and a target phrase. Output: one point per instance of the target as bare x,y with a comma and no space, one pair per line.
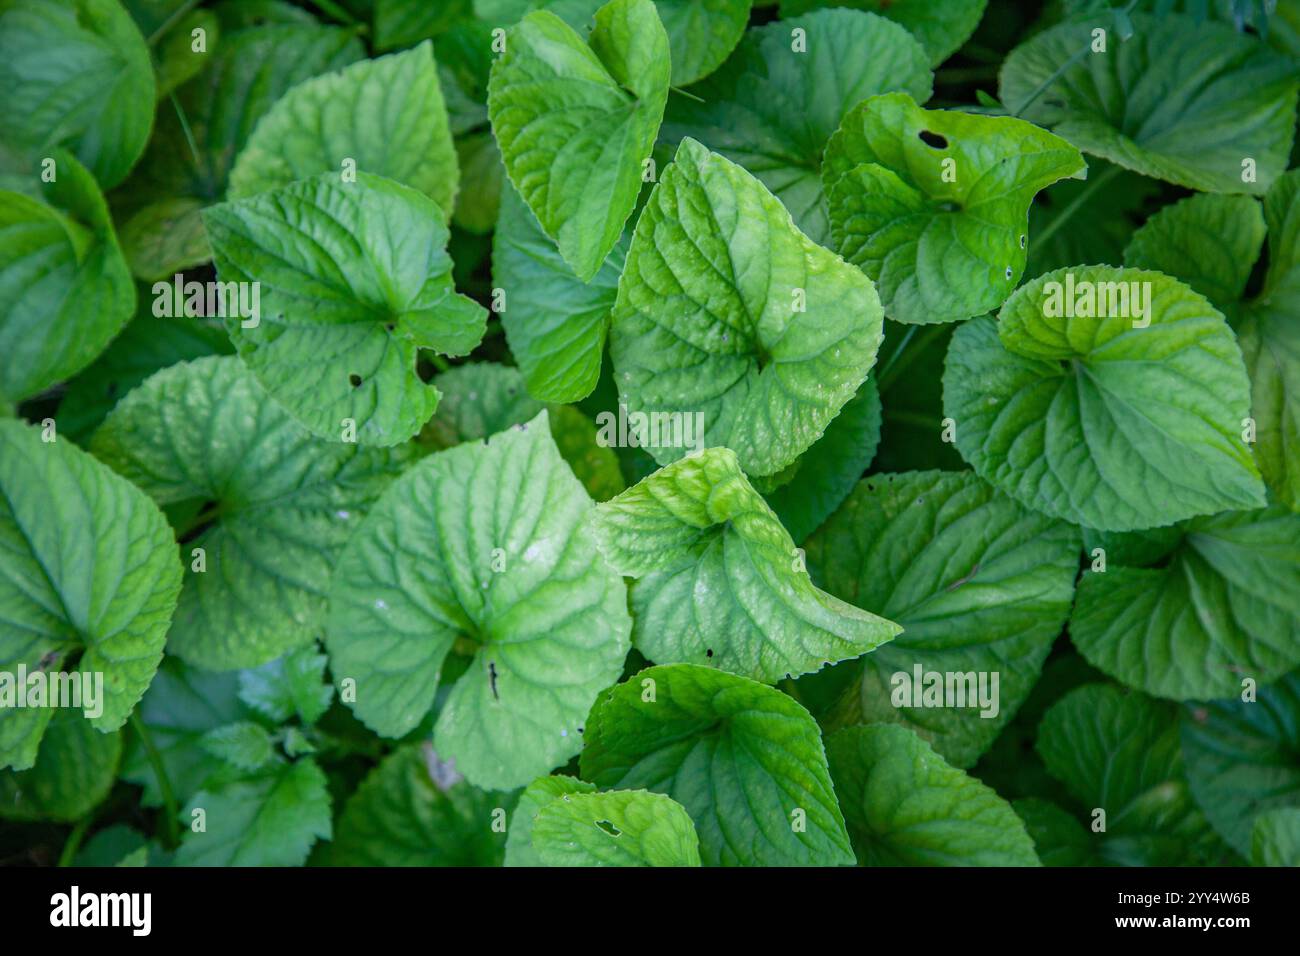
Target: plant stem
1076,204
898,363
73,842
167,24
954,76
1060,70
185,128
170,808
330,8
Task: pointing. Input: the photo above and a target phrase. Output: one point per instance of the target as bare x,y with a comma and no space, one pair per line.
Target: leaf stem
898,364
1076,204
170,22
1042,87
73,843
170,808
330,8
185,128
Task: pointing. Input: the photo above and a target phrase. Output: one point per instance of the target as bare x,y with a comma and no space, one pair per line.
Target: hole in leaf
355,380
390,326
709,652
933,140
609,828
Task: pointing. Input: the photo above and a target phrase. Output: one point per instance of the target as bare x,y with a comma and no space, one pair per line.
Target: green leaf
942,26
400,23
177,59
73,773
1136,103
1118,752
1241,757
478,203
826,472
251,69
555,324
181,706
1225,604
620,828
1275,839
933,205
65,290
76,73
147,344
384,116
502,569
538,794
980,586
593,461
277,506
906,807
89,580
770,109
1105,421
293,684
245,745
720,582
701,33
270,819
1059,839
1210,243
479,399
729,317
164,238
576,122
745,761
404,815
354,281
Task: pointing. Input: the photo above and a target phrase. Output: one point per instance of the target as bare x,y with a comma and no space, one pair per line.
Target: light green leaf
720,582
1275,839
270,819
277,506
354,281
411,812
619,828
1210,242
72,775
146,345
1242,757
1138,105
1104,421
182,705
538,794
906,807
942,26
293,684
770,109
745,761
500,568
384,116
1117,751
555,324
934,204
576,122
88,583
65,290
730,318
980,585
245,745
76,73
826,473
1224,604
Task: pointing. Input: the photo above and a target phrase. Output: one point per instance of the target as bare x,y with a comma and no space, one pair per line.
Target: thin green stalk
330,8
898,364
915,419
170,808
167,24
73,843
185,128
1076,204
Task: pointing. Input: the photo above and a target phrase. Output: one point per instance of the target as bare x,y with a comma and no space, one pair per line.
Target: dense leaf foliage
674,433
